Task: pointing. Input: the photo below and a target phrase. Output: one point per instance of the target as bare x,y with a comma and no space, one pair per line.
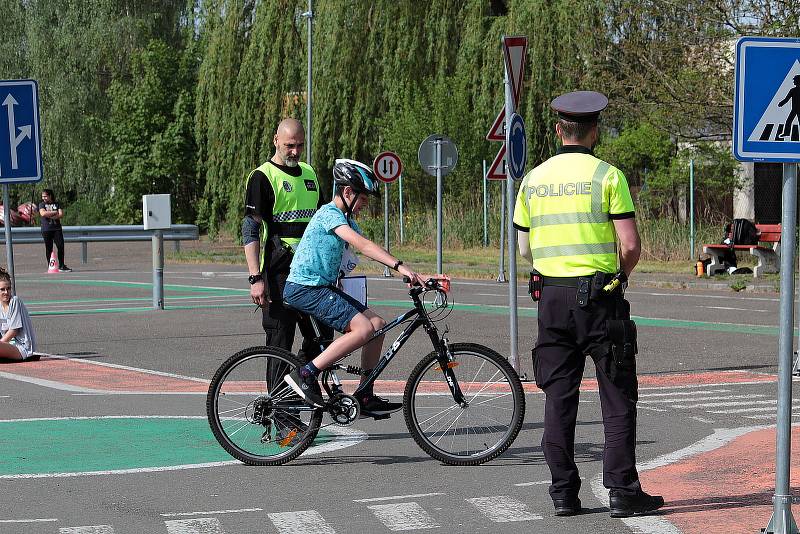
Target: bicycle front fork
447,363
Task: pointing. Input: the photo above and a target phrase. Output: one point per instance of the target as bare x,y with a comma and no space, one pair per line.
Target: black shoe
64,269
567,507
373,406
307,388
641,503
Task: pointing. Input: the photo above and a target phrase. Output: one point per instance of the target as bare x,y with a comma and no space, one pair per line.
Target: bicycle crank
344,409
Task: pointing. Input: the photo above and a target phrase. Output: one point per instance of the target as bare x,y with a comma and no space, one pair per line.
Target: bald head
289,142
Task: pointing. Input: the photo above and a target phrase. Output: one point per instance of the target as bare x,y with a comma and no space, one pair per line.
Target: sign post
387,167
765,128
20,147
438,156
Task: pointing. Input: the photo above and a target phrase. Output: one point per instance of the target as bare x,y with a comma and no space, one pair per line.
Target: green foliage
150,129
84,212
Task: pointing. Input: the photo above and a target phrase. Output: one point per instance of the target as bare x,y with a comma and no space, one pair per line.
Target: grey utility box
156,212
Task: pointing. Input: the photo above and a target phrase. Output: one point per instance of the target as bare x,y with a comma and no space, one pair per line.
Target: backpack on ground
744,232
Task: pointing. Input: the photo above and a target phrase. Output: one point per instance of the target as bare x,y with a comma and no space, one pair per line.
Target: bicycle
463,403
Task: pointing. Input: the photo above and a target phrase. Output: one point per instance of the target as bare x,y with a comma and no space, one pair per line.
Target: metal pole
512,232
691,209
439,206
782,521
85,252
485,210
400,193
9,243
502,276
386,271
309,16
158,269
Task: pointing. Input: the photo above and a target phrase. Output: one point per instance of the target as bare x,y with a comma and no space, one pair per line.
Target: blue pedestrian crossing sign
20,142
766,116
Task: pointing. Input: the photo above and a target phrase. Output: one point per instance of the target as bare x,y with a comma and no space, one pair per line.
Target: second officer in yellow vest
570,211
282,196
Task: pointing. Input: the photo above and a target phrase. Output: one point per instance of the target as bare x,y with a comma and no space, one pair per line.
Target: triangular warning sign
772,125
497,171
498,130
515,50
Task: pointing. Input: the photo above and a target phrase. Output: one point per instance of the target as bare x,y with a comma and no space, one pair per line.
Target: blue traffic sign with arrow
518,148
20,141
766,118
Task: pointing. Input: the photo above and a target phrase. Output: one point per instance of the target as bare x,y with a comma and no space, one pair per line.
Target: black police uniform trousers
279,321
567,333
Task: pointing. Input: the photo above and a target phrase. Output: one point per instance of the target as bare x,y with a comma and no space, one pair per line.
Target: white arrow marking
24,131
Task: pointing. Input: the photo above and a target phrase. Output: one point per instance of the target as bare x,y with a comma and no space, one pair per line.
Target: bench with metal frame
768,257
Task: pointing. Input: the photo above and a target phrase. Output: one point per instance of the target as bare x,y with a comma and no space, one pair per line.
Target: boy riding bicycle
311,285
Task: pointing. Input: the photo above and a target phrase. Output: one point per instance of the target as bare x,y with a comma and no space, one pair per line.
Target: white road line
302,522
127,368
95,529
715,404
673,399
205,525
395,497
213,512
28,520
503,509
746,410
537,483
701,392
48,383
733,309
703,420
403,516
720,384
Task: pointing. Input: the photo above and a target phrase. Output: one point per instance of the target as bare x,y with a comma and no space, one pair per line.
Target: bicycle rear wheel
254,414
480,429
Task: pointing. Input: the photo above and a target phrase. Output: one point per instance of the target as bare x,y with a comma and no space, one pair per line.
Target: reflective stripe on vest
592,247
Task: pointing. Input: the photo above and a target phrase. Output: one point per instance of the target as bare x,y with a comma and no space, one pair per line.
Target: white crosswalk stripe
503,509
684,393
716,404
672,399
95,529
403,516
302,522
203,525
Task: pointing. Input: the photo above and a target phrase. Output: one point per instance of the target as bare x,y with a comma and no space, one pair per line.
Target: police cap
579,106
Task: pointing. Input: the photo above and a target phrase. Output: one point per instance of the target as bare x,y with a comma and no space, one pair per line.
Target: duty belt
287,229
573,281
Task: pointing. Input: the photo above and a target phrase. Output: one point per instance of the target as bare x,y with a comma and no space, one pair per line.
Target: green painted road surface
41,447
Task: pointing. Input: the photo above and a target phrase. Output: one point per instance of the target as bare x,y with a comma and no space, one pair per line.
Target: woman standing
51,214
17,341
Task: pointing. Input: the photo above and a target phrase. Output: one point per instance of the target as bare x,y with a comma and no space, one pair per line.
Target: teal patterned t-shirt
319,253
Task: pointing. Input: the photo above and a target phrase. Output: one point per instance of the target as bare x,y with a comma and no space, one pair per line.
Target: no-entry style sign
387,167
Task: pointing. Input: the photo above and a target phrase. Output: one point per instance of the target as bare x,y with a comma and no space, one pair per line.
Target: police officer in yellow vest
570,211
282,196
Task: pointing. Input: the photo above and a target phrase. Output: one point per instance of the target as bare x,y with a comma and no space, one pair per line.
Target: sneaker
307,388
64,269
622,505
374,405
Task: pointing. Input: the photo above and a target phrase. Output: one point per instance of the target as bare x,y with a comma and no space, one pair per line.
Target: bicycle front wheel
480,428
254,414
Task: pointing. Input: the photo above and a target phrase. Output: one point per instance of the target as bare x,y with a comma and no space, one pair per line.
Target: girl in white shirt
17,341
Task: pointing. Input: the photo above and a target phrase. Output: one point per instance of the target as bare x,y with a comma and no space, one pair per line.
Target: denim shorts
327,304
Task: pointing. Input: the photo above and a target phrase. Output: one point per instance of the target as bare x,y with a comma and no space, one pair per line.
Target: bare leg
372,350
359,332
9,352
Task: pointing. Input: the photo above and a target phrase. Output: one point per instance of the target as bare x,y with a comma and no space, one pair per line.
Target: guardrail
87,234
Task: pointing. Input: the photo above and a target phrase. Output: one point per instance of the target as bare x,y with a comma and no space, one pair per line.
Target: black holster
278,255
622,337
535,284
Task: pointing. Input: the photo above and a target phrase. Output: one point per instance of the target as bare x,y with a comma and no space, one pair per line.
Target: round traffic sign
448,154
387,167
518,148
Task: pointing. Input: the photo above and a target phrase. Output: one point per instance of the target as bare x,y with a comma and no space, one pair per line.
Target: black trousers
567,333
279,322
54,236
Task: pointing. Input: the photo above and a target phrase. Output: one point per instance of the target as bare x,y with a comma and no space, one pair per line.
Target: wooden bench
768,257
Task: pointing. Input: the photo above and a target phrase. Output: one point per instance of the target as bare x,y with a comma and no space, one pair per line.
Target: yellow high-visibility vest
567,205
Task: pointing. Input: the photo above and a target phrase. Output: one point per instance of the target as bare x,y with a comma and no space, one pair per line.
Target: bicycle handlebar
438,284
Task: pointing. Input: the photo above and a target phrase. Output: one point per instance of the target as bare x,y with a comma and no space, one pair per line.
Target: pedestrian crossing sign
766,115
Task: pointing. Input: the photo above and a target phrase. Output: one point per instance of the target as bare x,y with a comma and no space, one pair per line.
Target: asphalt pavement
107,434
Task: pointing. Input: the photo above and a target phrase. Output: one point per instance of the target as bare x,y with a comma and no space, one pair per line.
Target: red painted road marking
725,490
101,377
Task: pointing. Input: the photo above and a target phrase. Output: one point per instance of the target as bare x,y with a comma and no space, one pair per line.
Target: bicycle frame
421,318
